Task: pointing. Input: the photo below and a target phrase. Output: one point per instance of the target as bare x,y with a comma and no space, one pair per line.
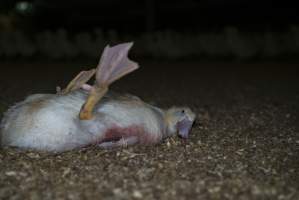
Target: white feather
50,122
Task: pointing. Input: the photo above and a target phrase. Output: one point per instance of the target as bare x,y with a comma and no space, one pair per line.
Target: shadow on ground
244,145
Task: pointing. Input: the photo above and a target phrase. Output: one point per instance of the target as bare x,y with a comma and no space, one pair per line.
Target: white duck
81,114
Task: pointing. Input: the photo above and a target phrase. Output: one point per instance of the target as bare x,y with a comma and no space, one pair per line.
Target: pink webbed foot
113,65
78,82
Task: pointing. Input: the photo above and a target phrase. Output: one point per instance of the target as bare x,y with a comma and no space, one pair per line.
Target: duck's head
179,120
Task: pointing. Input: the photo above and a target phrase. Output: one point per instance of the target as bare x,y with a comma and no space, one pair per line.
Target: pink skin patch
119,137
116,134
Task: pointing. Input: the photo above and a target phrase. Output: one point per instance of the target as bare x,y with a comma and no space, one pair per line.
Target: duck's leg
78,82
113,65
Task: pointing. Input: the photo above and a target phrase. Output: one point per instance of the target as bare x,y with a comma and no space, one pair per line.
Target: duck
82,114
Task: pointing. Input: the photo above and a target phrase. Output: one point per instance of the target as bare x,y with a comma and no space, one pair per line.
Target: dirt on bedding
244,144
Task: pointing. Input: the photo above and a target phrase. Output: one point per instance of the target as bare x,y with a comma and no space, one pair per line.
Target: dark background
168,30
135,16
233,62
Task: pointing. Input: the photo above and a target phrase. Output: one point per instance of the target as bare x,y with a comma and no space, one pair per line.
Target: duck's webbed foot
113,65
78,82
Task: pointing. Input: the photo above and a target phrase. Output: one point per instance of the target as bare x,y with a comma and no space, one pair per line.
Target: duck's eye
183,111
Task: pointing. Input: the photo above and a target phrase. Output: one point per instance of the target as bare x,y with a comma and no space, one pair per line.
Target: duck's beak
184,127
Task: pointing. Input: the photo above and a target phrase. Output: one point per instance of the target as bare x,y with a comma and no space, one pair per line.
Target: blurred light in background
24,7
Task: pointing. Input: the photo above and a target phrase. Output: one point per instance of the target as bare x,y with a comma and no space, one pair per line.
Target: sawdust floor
244,144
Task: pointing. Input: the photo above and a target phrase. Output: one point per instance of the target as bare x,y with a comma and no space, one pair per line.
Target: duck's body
50,122
82,114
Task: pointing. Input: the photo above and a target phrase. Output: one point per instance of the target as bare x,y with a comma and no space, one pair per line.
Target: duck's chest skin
50,122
